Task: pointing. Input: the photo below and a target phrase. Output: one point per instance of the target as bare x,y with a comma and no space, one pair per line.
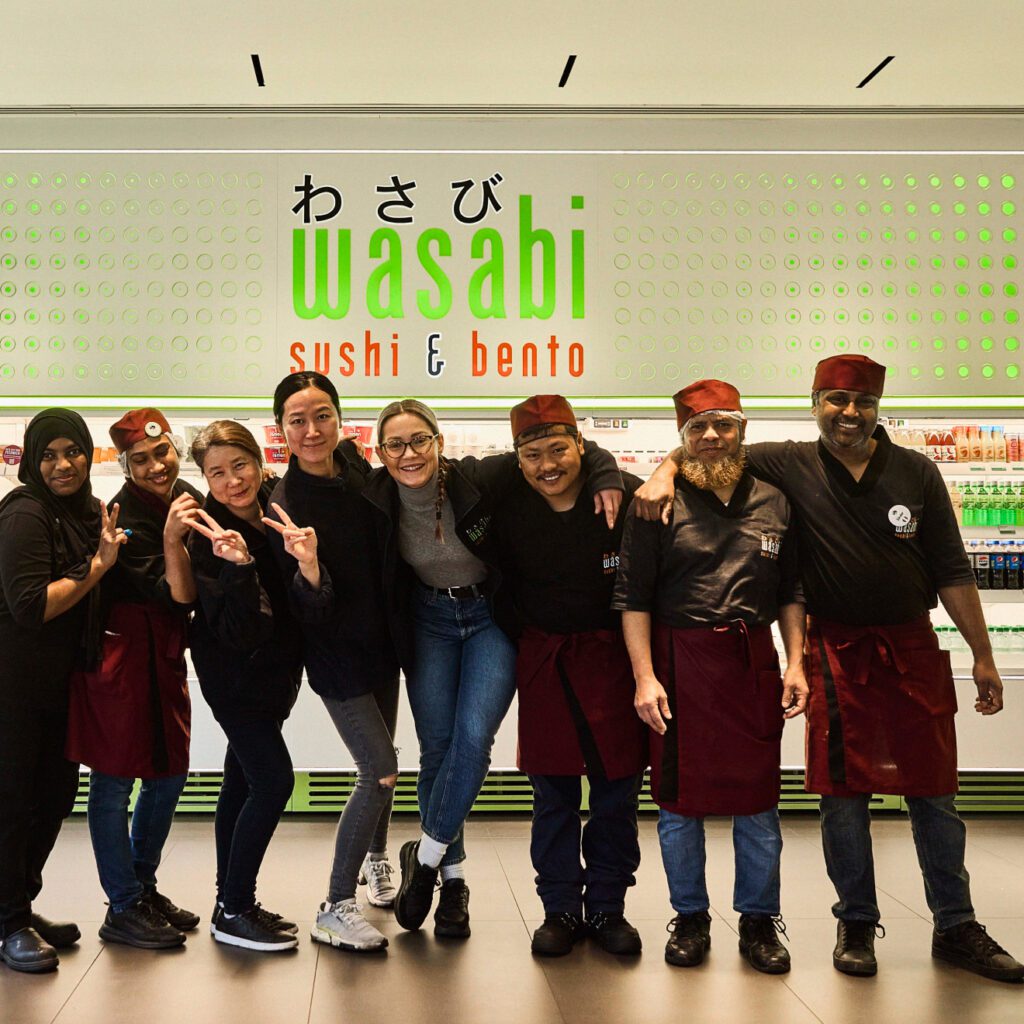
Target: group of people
634,622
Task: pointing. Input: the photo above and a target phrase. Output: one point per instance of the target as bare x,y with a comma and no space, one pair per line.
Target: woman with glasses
461,684
325,538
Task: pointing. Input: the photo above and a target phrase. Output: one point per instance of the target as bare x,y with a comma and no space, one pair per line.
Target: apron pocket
930,684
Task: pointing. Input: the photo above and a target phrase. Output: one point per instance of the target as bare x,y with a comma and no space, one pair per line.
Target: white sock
450,871
431,852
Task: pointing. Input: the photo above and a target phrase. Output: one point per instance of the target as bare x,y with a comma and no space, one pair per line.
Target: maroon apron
880,714
576,714
132,716
721,751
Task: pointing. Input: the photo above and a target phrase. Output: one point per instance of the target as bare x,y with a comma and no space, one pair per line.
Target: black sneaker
558,934
59,934
218,909
249,931
760,945
451,919
141,926
855,948
970,946
614,934
416,890
271,920
183,920
690,939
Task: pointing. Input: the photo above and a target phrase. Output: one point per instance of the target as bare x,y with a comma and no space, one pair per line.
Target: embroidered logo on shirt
905,523
478,529
771,545
610,562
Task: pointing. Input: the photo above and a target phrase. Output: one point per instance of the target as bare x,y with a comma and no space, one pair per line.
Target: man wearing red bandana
879,546
698,594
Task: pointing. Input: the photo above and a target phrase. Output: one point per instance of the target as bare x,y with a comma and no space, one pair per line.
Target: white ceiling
656,53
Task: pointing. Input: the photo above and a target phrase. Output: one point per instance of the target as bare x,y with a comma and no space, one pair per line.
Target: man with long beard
879,545
714,577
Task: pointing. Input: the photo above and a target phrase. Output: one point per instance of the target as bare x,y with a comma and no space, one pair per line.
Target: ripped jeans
366,735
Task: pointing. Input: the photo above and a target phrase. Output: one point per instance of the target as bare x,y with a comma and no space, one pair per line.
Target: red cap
541,411
703,396
137,425
849,373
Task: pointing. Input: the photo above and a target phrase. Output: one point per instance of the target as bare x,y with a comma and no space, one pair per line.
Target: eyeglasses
420,444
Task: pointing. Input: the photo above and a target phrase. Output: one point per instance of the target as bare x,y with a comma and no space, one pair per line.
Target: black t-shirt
712,563
559,566
873,551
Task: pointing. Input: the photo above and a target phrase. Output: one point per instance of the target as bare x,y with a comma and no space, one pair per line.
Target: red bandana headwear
705,396
849,373
136,425
541,411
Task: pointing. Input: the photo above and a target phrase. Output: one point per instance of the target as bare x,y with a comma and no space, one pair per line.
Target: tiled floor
491,977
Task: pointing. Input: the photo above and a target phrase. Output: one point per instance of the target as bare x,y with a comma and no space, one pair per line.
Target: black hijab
77,516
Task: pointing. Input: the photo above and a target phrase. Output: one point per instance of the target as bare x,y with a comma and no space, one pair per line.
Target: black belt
473,592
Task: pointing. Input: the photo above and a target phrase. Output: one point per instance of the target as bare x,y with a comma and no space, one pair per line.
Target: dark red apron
880,714
576,714
132,716
721,752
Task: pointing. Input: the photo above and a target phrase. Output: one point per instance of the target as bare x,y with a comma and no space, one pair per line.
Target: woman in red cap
437,513
130,717
56,544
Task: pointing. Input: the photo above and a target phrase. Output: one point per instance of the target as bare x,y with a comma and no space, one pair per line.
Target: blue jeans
757,845
939,835
460,690
127,863
608,841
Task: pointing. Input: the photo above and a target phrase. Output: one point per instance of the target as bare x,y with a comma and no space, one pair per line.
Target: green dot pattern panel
752,269
145,275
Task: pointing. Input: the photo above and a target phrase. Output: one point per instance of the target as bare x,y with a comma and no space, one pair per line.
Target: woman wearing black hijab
56,543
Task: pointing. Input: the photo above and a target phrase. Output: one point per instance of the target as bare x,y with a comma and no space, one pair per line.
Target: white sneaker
342,924
376,875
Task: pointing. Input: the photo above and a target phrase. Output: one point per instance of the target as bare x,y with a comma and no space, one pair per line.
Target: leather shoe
59,934
26,951
690,939
855,948
760,944
558,934
614,934
183,920
970,946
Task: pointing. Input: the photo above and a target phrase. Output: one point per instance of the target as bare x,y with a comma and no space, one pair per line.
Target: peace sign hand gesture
299,542
227,544
111,538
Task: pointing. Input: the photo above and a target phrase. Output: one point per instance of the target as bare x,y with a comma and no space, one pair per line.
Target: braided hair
442,493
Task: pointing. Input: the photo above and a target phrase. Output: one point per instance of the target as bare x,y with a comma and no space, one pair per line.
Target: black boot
690,939
416,890
25,950
855,948
451,919
558,934
970,946
760,943
614,934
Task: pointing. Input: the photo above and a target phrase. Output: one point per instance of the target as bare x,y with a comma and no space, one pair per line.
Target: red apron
576,714
721,752
880,714
132,716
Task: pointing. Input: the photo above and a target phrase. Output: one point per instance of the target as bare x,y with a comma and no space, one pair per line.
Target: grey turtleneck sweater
450,564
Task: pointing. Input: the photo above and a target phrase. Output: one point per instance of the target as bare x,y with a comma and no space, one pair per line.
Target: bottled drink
974,442
986,443
997,565
1007,511
1018,503
981,569
998,445
963,445
1013,575
969,516
956,500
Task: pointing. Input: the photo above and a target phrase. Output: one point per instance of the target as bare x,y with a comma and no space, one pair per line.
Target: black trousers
609,843
37,792
258,781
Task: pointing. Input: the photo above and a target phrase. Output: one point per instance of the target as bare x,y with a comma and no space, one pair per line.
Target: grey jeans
363,823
